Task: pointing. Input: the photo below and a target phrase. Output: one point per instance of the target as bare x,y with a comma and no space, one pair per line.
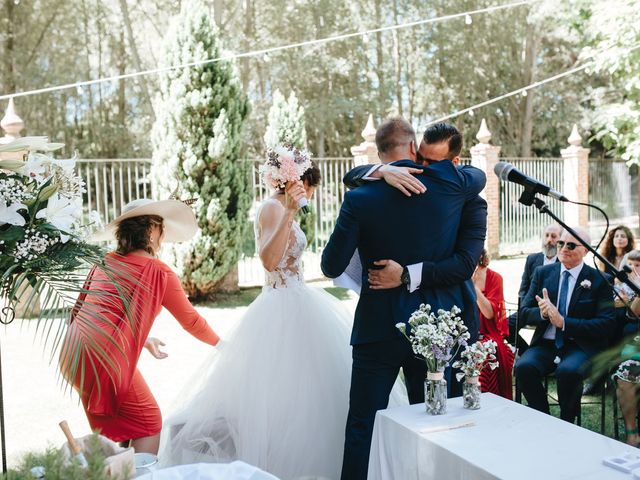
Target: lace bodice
289,271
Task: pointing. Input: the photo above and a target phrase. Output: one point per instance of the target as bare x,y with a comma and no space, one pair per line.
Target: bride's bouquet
285,163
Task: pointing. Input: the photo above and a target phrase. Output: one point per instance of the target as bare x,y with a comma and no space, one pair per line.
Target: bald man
571,306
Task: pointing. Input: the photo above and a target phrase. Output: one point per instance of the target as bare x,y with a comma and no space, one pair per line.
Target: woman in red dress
493,326
104,340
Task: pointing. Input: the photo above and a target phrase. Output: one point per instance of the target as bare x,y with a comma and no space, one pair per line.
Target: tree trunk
379,59
124,8
397,59
531,48
9,77
218,6
122,66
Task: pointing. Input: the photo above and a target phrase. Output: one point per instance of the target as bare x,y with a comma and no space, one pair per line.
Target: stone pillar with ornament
576,180
485,156
12,125
366,152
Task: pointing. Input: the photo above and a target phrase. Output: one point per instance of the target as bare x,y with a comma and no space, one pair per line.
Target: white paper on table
351,278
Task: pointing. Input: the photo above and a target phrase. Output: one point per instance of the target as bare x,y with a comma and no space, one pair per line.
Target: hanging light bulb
78,90
471,113
523,93
467,19
365,39
266,57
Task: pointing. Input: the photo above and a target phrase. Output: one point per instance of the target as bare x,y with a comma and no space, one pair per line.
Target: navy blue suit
590,317
383,223
460,266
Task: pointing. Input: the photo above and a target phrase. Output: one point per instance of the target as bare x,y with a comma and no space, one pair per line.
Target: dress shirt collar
574,272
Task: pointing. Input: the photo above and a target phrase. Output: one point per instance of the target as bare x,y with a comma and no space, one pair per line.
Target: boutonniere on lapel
586,284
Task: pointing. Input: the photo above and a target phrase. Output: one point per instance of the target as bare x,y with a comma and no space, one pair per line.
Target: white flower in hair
586,284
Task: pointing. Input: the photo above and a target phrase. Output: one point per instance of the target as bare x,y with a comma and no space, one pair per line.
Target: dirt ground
35,402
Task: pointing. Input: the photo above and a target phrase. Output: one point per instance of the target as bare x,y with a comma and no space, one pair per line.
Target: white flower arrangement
474,358
284,164
40,193
586,284
436,337
41,235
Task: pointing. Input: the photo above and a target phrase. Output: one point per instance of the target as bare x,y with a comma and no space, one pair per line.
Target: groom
383,223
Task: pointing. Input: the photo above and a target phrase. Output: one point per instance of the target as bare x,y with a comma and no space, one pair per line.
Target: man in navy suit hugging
571,306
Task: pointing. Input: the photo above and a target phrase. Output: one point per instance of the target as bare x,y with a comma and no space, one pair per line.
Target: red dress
114,394
498,381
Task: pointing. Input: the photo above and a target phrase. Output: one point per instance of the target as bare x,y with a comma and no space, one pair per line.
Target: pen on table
447,427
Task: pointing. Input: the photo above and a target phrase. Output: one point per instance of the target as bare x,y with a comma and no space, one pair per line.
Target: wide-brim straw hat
179,220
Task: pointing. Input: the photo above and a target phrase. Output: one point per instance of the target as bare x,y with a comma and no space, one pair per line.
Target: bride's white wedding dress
276,395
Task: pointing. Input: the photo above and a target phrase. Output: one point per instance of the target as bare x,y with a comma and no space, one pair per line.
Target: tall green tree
197,147
286,122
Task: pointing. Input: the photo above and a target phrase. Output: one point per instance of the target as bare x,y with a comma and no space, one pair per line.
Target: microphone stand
529,198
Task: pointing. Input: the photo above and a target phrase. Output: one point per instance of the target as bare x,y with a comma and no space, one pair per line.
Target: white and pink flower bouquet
285,163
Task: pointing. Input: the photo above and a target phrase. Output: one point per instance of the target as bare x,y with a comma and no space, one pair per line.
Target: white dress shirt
550,333
549,261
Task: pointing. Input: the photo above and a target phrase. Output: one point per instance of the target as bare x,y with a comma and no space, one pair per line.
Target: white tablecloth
508,441
209,471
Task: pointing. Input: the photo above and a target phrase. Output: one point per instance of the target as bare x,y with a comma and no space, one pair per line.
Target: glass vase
435,393
471,393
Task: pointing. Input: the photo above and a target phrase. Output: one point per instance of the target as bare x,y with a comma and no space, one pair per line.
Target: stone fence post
366,152
12,124
576,180
485,156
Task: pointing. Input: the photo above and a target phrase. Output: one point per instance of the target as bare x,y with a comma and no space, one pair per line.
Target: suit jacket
459,267
590,313
383,223
533,261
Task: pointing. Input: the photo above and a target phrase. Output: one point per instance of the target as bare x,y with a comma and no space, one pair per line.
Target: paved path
35,402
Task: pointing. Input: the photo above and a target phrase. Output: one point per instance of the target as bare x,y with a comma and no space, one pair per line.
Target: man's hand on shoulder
402,178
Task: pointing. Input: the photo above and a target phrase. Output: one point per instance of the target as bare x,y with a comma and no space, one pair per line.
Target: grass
591,405
247,295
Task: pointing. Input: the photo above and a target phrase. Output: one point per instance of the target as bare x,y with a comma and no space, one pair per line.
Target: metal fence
614,188
521,226
111,184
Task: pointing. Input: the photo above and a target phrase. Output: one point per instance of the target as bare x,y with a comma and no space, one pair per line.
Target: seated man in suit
547,256
571,306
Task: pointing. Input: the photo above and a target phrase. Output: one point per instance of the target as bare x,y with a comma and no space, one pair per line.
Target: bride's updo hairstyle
135,233
312,176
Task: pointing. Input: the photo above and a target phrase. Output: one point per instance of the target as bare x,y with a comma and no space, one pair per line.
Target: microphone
508,173
302,203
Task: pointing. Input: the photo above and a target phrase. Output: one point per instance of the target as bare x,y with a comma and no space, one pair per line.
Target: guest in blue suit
547,256
571,306
383,223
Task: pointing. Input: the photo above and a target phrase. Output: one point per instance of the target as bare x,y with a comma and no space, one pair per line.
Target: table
508,441
209,471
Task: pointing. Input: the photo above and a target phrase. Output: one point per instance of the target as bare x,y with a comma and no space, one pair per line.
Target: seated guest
570,304
493,326
619,242
627,377
547,256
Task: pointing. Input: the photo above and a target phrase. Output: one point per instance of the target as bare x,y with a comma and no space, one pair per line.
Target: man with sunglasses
571,306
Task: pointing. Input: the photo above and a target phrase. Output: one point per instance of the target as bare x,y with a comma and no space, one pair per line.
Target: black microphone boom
508,173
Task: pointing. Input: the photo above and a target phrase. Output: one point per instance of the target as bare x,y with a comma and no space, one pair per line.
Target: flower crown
285,163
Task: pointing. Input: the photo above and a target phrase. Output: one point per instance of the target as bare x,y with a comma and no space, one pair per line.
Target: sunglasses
570,245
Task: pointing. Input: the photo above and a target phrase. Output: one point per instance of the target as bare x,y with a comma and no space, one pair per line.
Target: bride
276,395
